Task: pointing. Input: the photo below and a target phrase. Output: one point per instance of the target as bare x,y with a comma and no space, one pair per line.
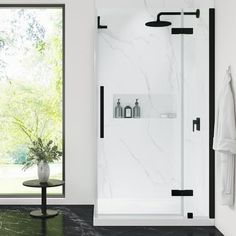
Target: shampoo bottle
118,110
136,110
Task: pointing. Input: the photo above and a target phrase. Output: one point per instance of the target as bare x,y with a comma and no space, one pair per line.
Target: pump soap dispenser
118,110
136,110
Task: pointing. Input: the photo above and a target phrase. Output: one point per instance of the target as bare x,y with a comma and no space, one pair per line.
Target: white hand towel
225,140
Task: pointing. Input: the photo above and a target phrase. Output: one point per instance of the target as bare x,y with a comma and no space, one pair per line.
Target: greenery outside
31,83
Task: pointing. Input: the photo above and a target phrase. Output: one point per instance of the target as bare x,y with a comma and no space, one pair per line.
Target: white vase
43,171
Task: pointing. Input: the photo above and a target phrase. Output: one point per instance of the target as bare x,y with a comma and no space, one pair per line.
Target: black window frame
62,6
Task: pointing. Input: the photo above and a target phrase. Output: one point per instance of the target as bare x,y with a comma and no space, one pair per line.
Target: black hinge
182,193
99,25
182,31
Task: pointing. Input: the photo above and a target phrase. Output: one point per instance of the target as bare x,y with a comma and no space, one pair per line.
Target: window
31,91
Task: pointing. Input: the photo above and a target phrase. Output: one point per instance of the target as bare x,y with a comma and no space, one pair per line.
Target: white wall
225,55
80,94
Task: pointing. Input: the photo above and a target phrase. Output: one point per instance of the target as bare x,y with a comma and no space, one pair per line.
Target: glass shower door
140,160
196,106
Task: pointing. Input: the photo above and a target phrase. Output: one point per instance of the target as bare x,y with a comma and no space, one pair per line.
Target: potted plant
42,153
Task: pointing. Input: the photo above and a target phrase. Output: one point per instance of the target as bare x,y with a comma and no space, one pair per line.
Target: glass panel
31,83
140,160
196,104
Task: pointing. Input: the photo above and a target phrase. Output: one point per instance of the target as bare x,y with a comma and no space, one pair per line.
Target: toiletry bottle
136,110
118,110
128,112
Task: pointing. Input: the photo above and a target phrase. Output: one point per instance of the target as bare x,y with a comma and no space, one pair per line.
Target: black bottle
128,112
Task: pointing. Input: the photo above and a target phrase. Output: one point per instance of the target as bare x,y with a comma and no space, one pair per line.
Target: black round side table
44,212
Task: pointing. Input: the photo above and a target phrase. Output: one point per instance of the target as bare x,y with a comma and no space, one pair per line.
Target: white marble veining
140,160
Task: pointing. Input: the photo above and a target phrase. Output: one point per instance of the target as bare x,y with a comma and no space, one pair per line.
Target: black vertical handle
196,123
101,111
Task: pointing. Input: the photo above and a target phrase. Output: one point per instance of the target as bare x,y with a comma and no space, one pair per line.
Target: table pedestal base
39,214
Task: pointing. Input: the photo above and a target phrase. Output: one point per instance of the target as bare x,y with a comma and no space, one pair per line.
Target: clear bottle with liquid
118,110
136,110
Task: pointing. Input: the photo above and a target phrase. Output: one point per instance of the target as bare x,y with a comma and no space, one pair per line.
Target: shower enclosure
156,169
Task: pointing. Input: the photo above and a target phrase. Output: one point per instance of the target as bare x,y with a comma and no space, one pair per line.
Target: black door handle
197,124
101,111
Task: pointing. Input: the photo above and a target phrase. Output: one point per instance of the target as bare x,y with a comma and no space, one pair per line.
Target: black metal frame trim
211,112
62,6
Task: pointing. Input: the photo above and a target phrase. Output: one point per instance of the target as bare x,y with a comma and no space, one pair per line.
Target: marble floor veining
78,221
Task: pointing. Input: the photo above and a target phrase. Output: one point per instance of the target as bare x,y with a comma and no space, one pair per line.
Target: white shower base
149,220
168,206
136,212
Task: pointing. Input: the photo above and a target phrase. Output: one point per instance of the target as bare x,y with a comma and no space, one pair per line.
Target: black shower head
158,23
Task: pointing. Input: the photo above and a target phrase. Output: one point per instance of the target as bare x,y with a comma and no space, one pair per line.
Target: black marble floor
77,221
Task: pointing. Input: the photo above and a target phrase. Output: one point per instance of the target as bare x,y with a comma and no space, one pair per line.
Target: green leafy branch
37,149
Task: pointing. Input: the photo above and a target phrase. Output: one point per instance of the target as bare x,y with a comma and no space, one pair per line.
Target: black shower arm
196,13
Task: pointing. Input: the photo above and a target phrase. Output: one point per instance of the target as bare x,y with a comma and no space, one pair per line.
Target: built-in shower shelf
159,106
